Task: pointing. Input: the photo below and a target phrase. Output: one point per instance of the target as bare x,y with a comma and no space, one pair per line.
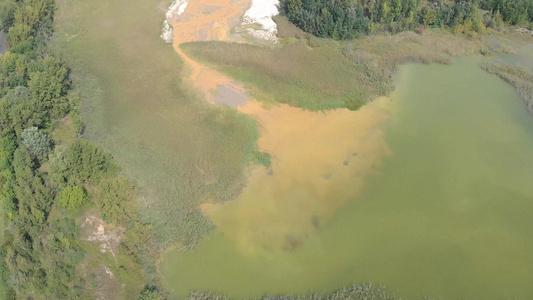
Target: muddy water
446,215
315,156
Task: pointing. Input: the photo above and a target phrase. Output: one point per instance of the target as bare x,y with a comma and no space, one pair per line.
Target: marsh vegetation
520,78
351,73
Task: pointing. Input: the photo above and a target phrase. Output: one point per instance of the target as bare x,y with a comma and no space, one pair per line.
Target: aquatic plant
520,78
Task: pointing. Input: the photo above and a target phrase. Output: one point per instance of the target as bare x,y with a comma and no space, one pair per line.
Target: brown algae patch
320,161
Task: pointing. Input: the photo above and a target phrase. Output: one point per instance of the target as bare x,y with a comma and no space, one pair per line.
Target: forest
46,183
348,19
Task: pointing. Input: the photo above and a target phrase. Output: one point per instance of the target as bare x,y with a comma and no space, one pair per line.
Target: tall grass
353,292
317,79
520,78
319,74
176,147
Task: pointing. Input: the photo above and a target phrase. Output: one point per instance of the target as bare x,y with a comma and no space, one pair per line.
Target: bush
150,293
77,123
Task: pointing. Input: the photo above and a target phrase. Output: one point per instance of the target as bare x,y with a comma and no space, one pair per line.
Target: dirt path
206,20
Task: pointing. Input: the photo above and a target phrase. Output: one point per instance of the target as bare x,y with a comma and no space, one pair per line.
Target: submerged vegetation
520,78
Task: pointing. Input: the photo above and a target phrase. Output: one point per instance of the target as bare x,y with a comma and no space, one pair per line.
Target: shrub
77,123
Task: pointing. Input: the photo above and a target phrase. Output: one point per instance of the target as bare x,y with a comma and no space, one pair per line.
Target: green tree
37,142
79,162
150,293
429,16
477,20
117,200
384,11
19,111
72,197
50,86
137,240
7,177
7,13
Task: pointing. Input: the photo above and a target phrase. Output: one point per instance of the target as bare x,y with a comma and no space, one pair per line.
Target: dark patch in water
315,220
291,242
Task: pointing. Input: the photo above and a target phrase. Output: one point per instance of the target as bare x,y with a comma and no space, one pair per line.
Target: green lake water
449,214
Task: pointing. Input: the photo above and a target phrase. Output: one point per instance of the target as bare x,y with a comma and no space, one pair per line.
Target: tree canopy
347,19
72,197
37,142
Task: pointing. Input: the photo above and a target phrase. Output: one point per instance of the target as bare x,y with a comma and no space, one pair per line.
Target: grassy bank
321,74
177,148
520,78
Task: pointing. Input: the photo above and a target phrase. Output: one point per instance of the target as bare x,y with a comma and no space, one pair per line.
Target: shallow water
523,57
446,215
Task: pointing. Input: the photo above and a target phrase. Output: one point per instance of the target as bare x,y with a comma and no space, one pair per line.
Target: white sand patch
177,8
261,12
